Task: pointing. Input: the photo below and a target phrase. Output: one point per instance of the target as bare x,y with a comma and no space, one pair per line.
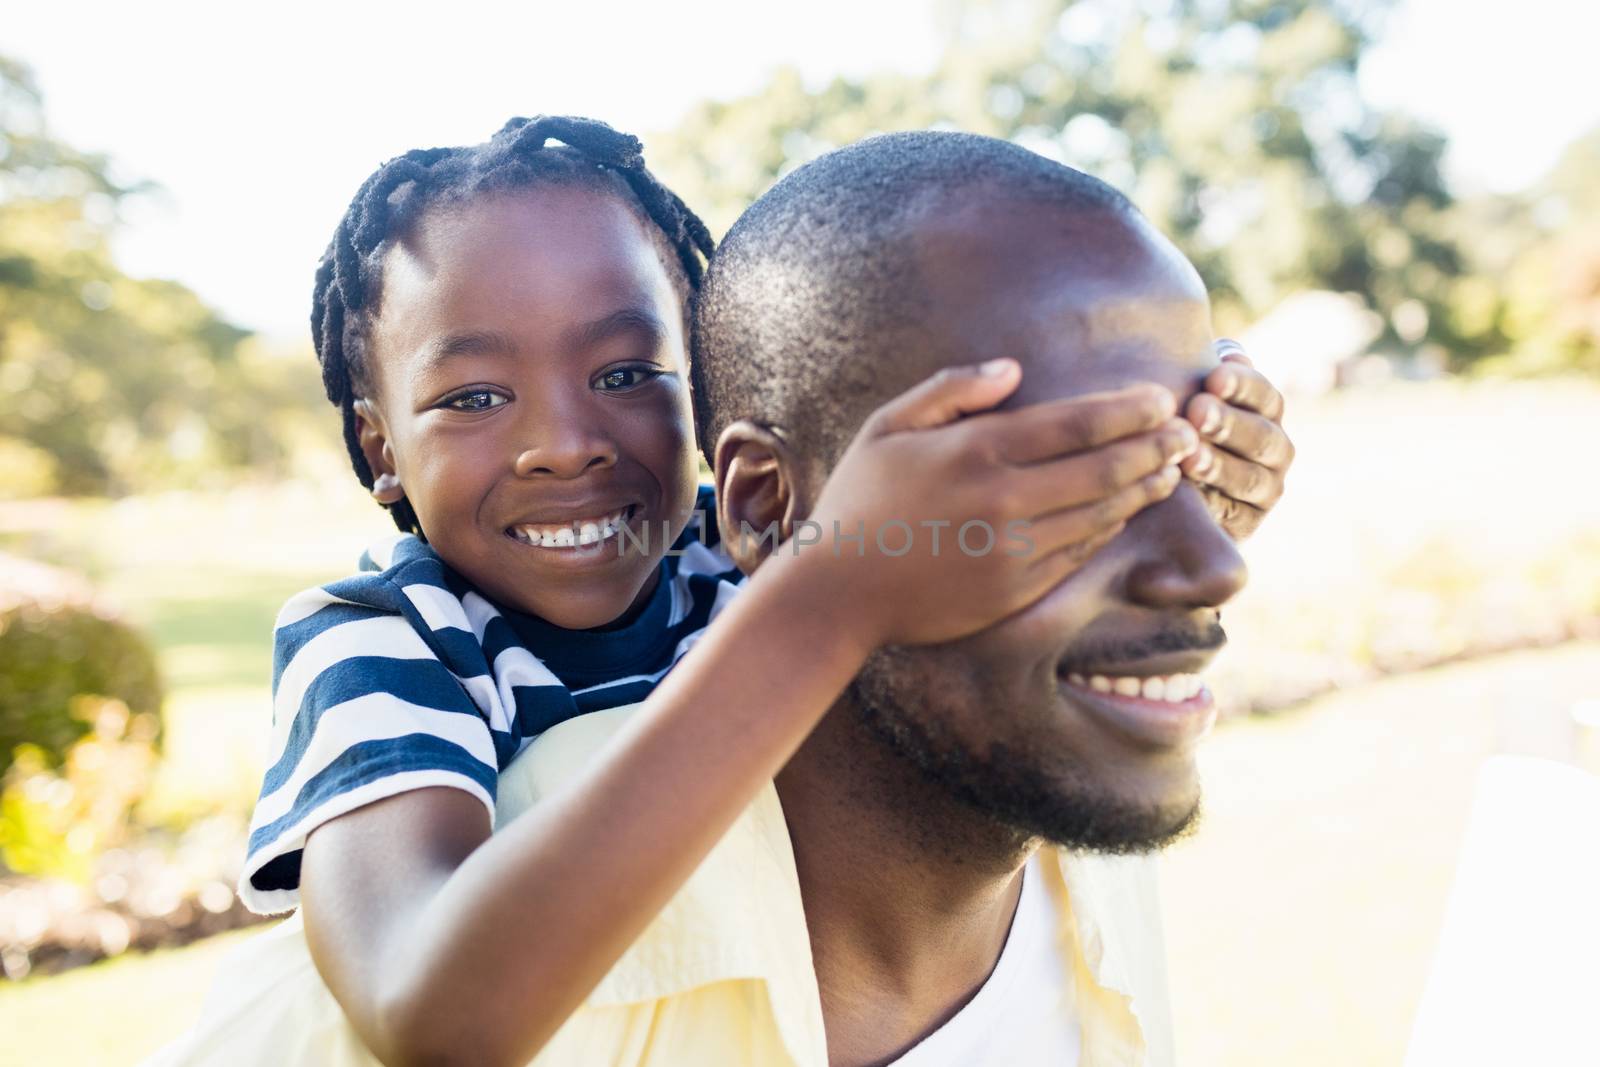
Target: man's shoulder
563,752
739,916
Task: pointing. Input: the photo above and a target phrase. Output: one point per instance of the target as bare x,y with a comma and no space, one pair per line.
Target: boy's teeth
1170,689
581,532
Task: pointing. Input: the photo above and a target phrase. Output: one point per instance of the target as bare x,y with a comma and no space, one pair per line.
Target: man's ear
760,492
374,440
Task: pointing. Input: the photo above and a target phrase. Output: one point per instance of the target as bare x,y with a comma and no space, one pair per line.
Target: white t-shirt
1022,1016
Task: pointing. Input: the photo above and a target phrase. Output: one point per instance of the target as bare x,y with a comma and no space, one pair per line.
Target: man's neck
908,893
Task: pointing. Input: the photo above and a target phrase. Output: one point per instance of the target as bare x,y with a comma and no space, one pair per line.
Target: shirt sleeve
363,709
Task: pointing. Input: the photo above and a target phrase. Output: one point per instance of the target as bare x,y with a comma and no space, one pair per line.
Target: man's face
1011,719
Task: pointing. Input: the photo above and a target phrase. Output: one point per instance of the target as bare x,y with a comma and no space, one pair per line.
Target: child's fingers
1050,569
1047,431
945,397
1236,517
1230,351
1090,523
1238,478
1245,387
1058,566
1086,477
1241,432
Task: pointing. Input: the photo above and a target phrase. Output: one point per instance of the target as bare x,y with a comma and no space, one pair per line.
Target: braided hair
348,281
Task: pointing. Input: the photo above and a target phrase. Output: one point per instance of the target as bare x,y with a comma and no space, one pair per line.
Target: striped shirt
403,676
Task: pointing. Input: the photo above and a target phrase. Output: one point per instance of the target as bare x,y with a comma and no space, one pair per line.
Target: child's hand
1244,453
1038,489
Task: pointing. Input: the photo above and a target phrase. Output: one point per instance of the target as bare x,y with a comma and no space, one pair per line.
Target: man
955,867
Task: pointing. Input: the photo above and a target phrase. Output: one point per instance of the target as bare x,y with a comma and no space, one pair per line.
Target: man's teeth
573,534
1172,688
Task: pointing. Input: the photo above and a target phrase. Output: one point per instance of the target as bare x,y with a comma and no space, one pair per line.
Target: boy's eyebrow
635,317
490,343
474,343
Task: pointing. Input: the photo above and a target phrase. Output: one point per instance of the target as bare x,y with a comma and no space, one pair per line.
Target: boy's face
530,399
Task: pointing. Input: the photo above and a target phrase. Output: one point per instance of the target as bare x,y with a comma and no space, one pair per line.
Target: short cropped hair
816,281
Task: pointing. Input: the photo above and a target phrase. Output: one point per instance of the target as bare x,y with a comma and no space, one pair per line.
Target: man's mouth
1157,704
582,532
1171,689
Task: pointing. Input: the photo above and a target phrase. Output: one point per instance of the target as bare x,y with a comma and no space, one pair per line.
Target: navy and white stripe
404,676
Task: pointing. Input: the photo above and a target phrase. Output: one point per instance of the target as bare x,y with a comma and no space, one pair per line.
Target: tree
1236,125
107,382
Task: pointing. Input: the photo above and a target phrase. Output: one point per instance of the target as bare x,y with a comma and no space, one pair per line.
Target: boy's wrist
821,590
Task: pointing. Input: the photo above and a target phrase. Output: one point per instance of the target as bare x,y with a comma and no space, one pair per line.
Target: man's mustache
1173,637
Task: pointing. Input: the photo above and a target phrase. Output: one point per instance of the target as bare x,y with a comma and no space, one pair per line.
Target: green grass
209,640
204,574
117,1012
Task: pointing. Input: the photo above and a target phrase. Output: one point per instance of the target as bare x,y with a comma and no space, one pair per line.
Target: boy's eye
478,400
625,377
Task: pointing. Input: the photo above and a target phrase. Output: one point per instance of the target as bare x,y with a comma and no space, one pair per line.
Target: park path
1303,915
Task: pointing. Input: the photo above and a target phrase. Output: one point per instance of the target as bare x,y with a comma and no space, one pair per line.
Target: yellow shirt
724,974
722,978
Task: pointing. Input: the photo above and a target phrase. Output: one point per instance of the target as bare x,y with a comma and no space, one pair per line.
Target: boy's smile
529,399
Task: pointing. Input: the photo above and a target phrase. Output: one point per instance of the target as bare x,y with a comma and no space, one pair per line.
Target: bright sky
259,129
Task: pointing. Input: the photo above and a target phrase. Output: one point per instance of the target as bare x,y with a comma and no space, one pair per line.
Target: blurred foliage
57,822
80,704
61,656
1236,125
1531,299
109,383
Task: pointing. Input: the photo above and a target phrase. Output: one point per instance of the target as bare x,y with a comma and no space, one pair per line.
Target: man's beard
1062,805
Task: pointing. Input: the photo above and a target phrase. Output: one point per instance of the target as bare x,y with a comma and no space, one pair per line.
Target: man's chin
1062,806
1101,825
1075,813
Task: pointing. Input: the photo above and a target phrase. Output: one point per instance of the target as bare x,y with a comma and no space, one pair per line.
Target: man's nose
560,438
1188,561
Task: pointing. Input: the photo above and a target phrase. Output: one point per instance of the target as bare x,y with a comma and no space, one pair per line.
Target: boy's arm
445,944
492,941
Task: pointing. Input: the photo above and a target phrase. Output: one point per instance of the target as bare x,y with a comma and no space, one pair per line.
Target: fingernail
1185,442
1211,420
1202,463
994,368
1230,382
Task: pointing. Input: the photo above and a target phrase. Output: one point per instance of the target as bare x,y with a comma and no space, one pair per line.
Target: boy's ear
760,495
374,440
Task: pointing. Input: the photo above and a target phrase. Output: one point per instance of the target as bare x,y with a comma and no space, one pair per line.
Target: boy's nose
565,462
565,447
1188,560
